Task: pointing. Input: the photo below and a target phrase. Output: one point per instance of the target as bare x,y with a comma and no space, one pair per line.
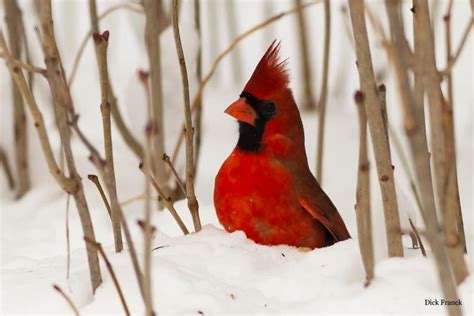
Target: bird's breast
257,195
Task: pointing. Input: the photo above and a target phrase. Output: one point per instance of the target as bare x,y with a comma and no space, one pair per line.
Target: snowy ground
214,272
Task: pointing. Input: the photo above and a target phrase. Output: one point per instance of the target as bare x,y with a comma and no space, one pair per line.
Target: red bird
265,187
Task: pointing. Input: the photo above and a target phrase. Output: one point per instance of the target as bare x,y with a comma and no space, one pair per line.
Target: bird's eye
269,107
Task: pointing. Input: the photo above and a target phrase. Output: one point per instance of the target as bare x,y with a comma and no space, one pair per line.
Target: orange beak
242,111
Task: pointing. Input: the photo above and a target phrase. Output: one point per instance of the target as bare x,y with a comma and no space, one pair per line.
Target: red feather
270,75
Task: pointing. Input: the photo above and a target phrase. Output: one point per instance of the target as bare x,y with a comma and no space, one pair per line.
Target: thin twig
442,144
305,57
231,19
96,181
146,224
167,201
99,163
324,92
221,56
193,204
198,115
63,107
101,44
153,15
415,230
376,126
453,203
64,182
423,41
102,253
127,136
67,298
79,53
133,199
6,167
68,241
362,207
167,159
14,21
28,67
461,46
399,61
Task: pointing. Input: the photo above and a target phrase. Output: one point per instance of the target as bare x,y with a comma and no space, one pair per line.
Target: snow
215,272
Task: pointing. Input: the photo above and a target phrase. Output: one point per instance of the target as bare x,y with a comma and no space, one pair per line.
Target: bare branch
146,226
190,194
67,184
153,14
96,181
168,202
101,251
14,21
377,130
424,51
68,241
92,31
67,298
415,230
62,103
101,44
362,207
167,159
99,163
324,92
454,57
305,57
26,66
127,136
198,115
7,169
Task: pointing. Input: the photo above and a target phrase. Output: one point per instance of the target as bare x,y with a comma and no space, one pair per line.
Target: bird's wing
317,203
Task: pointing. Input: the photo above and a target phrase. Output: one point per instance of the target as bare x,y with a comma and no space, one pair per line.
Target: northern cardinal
265,187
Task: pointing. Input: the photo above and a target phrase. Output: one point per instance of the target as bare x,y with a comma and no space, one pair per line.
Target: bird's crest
270,75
